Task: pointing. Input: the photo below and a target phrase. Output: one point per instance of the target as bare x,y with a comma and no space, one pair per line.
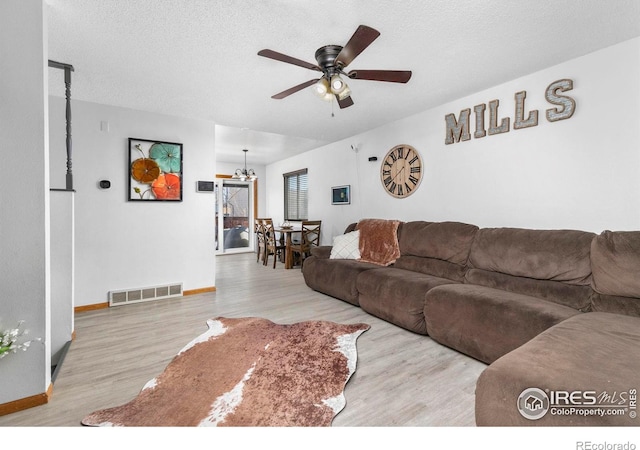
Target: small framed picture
341,195
155,170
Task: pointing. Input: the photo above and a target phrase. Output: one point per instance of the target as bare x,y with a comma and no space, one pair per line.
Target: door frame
219,181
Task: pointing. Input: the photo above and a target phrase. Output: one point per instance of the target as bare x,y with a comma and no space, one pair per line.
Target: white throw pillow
346,246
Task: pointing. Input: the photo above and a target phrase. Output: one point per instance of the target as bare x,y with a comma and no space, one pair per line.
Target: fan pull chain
332,100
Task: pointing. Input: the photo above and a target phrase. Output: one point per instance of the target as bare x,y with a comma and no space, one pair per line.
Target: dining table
285,234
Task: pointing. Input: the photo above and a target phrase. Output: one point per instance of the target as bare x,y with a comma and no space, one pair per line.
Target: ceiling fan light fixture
346,92
331,62
337,84
321,88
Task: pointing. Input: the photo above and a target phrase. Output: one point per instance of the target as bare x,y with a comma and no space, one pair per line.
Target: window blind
296,195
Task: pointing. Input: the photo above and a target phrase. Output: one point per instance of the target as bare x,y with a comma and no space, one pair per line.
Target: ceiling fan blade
345,102
393,76
294,89
288,59
360,40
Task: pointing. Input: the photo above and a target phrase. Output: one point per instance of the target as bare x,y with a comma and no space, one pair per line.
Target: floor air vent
146,294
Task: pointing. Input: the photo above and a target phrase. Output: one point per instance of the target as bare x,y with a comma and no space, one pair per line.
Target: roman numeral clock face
401,171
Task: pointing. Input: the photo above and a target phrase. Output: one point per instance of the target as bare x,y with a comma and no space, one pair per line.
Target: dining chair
309,237
274,246
260,240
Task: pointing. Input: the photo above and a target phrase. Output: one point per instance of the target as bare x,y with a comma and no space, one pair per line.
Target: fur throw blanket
379,241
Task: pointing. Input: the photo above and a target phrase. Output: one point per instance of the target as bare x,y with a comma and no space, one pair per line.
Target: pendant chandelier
244,174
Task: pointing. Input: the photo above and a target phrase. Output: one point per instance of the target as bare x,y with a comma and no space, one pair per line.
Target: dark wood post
67,83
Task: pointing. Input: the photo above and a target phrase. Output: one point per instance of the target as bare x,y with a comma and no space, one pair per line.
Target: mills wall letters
458,130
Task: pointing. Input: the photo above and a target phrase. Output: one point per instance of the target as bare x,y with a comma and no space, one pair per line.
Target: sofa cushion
629,306
334,277
396,295
615,262
322,251
557,255
446,241
346,246
587,352
432,266
577,297
487,323
379,241
440,249
351,227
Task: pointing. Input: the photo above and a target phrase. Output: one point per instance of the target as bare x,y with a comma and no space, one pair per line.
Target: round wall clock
401,171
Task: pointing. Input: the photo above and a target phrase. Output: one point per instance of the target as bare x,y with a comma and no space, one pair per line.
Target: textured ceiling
198,58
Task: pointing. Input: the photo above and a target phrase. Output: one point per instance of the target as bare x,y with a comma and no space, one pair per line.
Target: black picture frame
155,171
341,195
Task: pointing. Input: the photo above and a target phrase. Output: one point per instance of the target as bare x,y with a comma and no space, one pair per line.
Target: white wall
62,271
579,173
121,244
24,195
332,165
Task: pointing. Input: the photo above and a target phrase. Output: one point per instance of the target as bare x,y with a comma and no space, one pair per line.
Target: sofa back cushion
576,297
447,241
351,227
551,264
615,262
436,248
557,255
432,266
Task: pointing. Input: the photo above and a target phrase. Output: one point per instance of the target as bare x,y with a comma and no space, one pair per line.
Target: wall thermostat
105,184
205,186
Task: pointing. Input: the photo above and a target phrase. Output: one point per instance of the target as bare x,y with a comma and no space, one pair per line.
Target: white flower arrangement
9,340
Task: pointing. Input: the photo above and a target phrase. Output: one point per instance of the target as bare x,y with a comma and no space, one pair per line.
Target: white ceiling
198,58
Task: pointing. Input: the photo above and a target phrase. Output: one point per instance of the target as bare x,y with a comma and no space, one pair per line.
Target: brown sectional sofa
432,254
533,278
555,313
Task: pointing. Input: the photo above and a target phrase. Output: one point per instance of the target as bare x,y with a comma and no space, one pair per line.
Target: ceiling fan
332,60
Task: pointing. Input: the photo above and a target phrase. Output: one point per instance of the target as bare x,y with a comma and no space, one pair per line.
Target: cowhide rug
248,372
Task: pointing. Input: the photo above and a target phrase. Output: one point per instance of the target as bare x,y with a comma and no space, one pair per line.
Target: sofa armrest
322,251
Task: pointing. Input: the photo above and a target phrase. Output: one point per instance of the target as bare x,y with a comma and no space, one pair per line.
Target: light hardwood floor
402,379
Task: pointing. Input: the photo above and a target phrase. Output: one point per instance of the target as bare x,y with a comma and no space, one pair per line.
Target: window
296,195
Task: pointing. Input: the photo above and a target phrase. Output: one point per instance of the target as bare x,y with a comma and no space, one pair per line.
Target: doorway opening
235,201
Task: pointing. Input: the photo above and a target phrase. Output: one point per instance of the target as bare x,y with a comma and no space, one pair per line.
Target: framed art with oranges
155,171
